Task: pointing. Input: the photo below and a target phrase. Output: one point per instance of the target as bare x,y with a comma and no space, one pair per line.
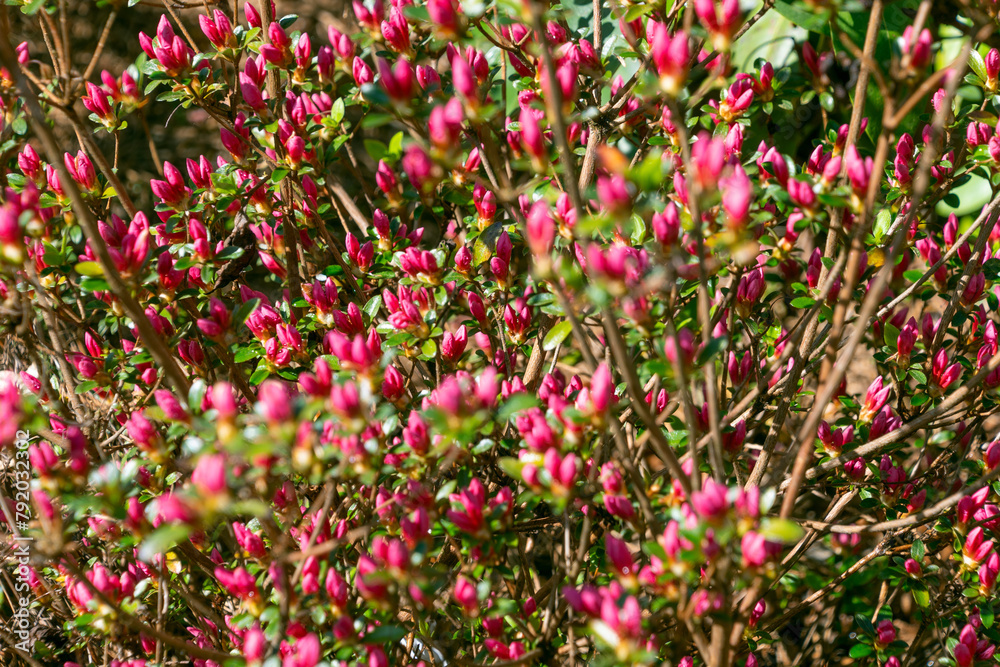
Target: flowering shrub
505,334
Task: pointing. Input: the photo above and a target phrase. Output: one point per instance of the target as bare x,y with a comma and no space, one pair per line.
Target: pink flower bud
170,406
711,502
362,73
209,475
885,633
875,398
671,56
917,47
683,349
465,595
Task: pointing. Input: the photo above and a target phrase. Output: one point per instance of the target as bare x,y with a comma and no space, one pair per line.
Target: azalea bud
465,595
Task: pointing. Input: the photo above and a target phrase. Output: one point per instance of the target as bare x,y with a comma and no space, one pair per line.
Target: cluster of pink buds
168,49
970,649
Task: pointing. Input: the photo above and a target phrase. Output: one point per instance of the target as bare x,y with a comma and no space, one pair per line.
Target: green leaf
337,111
516,403
891,335
230,252
511,466
882,223
803,302
244,311
185,263
781,530
556,336
865,623
246,354
917,551
162,540
922,598
95,284
480,252
638,230
814,21
32,7
861,651
372,307
417,14
986,615
638,11
91,269
992,268
978,65
385,633
259,376
396,145
375,149
714,346
197,392
84,387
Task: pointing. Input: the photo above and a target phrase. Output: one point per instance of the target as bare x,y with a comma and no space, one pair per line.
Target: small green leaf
781,530
803,302
891,335
511,466
882,223
396,145
244,311
230,252
992,268
865,623
246,354
516,403
259,376
375,149
638,11
815,21
91,269
480,252
385,633
861,651
978,65
372,307
95,284
337,111
638,230
556,336
917,551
